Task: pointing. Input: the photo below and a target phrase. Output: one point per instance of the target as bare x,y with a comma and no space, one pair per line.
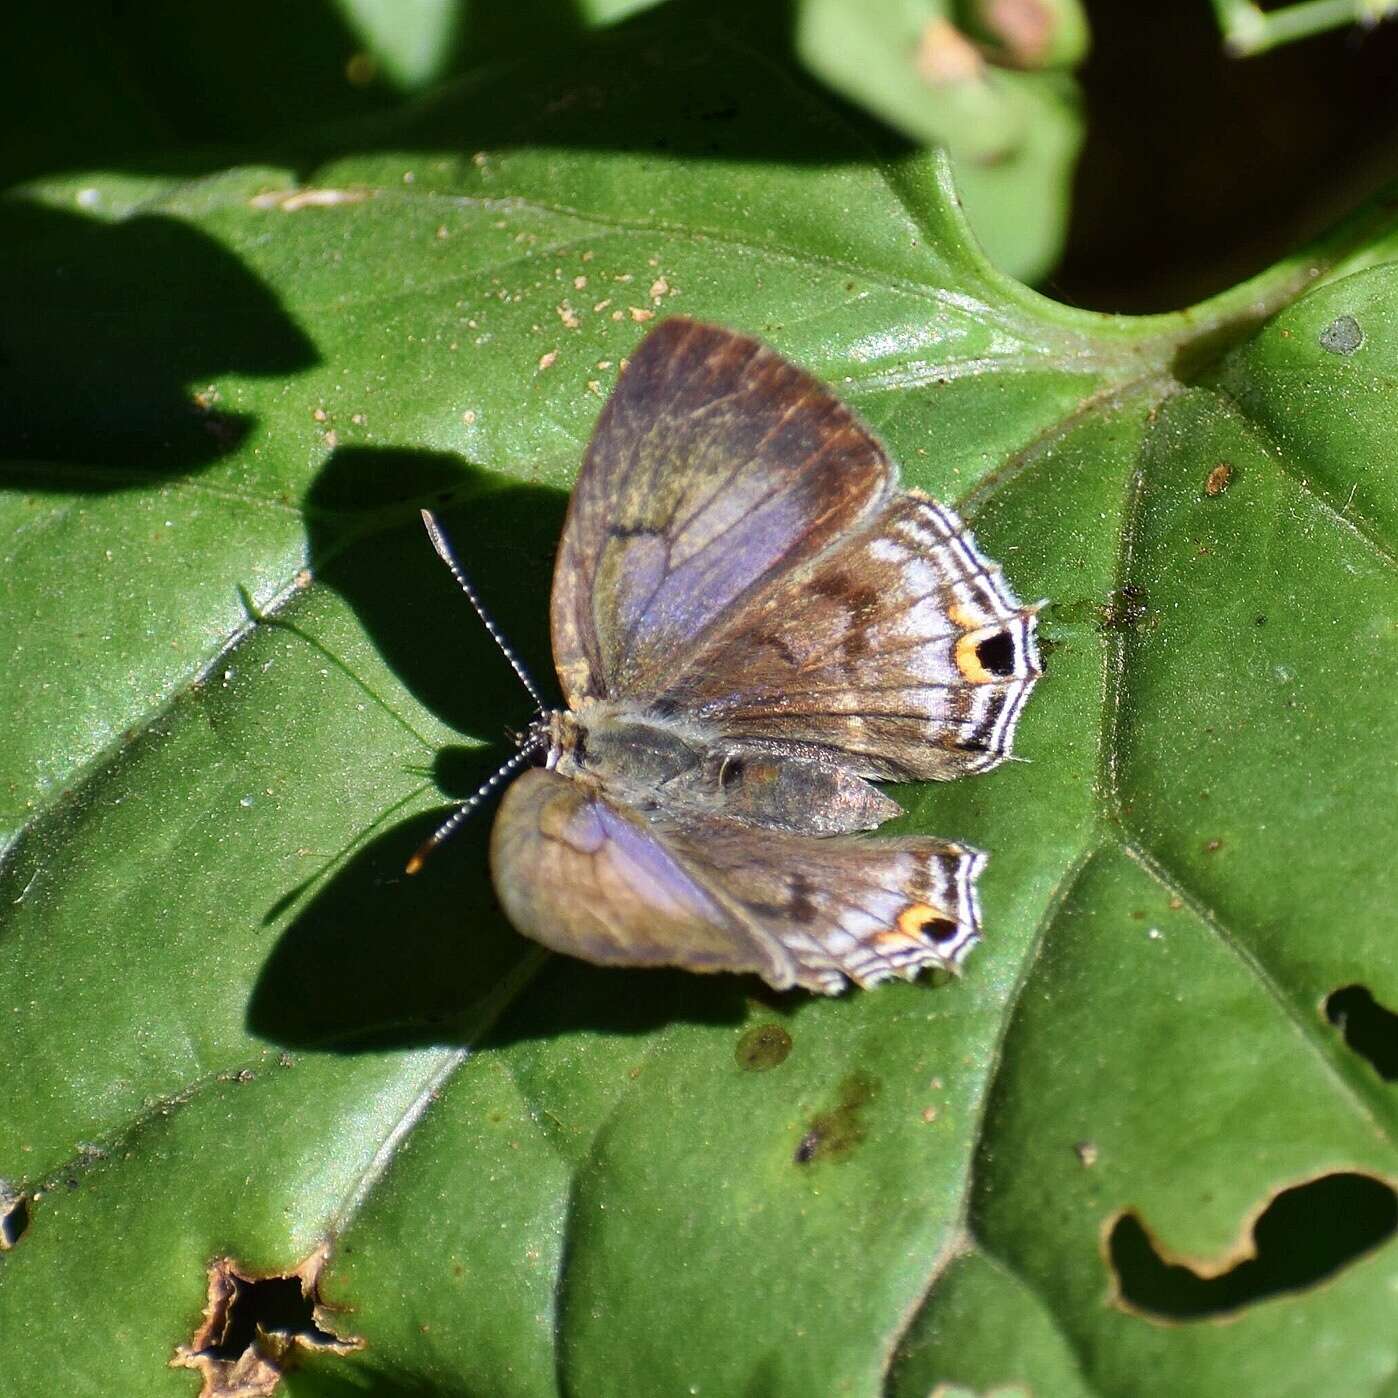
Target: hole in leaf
14,1218
253,1327
1304,1235
1370,1029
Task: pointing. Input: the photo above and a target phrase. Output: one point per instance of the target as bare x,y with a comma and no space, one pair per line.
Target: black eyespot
940,929
731,773
997,654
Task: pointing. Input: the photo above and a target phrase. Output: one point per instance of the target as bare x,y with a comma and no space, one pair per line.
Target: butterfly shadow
372,958
377,960
366,542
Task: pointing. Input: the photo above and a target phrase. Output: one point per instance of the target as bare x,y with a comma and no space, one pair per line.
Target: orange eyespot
987,656
924,923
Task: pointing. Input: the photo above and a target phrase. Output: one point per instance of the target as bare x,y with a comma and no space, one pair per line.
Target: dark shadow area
106,332
1370,1029
570,996
102,83
367,542
698,77
379,960
702,79
1200,169
375,959
1304,1235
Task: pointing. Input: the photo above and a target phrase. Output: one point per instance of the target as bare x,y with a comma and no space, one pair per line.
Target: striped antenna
442,544
453,822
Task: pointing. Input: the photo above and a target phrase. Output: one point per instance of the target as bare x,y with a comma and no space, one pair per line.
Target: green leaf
242,690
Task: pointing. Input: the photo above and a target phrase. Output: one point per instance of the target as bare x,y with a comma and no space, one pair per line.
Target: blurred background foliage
1120,156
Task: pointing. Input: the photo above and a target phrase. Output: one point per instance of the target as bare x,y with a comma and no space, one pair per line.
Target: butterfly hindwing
902,649
589,877
715,468
842,908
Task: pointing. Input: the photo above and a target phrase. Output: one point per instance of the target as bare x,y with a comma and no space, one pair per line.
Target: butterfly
752,624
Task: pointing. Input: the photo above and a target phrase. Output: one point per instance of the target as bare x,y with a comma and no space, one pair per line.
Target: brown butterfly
751,622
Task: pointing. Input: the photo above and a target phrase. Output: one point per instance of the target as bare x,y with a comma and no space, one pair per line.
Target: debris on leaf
1219,479
837,1133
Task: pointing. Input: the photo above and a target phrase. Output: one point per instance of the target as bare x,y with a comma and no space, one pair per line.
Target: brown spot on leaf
254,1325
1299,1237
1125,610
762,1047
833,1135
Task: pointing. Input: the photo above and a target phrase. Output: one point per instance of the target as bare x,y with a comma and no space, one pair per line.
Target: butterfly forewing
715,468
736,550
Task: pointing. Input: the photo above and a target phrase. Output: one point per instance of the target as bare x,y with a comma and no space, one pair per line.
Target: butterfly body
678,765
751,624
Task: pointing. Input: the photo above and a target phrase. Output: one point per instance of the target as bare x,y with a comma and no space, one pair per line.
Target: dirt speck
1218,480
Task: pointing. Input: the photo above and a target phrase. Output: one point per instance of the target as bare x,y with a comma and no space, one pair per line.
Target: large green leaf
239,684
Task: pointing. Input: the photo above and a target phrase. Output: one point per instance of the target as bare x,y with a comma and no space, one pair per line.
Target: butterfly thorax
661,764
